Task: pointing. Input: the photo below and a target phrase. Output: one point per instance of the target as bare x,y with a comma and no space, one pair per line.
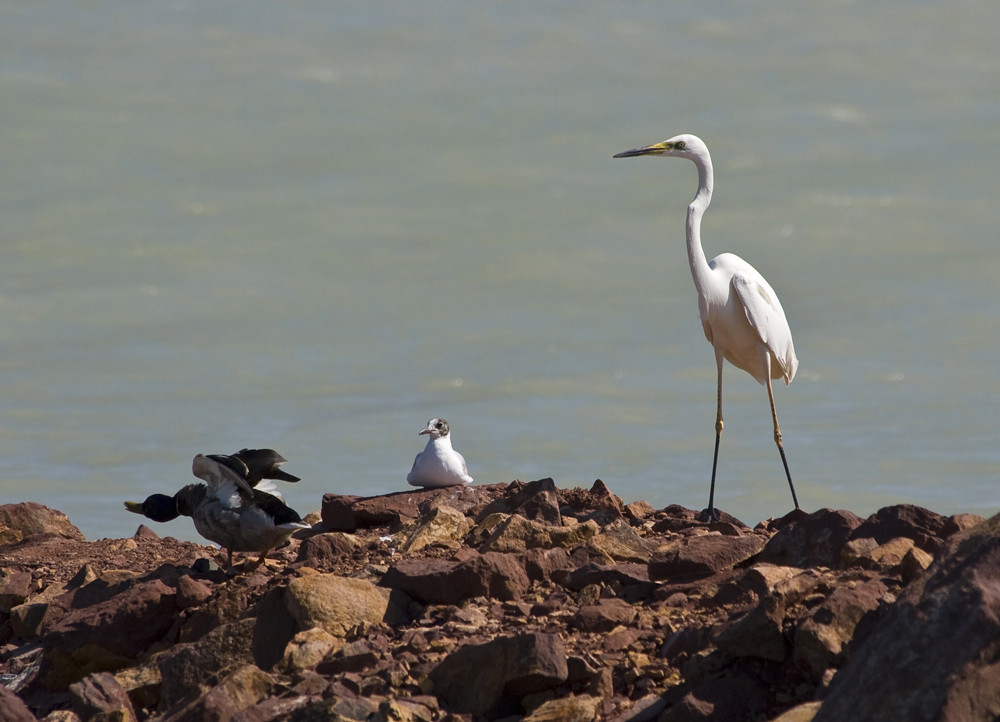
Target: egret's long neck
696,254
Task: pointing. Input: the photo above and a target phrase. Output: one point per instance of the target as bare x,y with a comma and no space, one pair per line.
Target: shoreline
507,601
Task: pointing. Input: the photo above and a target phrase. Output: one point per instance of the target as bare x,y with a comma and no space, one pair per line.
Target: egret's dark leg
777,435
712,515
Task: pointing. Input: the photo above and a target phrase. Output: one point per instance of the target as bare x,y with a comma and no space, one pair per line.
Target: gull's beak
425,431
655,149
134,506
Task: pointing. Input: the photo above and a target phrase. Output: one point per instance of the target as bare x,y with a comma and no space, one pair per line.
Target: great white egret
740,312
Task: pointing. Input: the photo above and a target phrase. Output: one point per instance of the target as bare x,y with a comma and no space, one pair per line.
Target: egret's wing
764,312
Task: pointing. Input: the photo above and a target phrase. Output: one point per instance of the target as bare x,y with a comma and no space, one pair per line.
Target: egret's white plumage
740,312
438,464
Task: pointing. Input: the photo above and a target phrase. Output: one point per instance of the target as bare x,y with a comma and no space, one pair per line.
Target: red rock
933,655
14,590
813,541
191,593
322,549
101,694
20,521
495,575
823,635
540,563
758,633
107,635
350,513
702,555
604,615
735,695
13,709
923,526
493,677
535,500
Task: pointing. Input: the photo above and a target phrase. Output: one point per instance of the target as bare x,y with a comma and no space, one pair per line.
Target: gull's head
436,428
680,146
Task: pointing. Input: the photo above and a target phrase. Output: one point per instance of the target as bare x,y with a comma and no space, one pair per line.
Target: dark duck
233,508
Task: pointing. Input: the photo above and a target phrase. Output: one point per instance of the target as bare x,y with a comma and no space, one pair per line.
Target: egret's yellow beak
655,149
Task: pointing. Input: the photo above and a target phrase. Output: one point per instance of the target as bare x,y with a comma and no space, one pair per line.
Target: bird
438,464
224,512
264,464
740,312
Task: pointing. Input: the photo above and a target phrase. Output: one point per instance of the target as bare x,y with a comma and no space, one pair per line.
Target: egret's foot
708,515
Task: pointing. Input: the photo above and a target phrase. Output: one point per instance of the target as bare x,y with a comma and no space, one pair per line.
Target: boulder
350,513
19,521
494,677
444,526
340,605
932,657
14,590
516,533
815,540
109,635
703,555
438,581
101,694
822,637
621,543
536,500
923,526
189,670
13,708
321,550
575,708
239,689
604,615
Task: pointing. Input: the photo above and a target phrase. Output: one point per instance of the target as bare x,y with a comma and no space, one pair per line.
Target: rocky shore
511,601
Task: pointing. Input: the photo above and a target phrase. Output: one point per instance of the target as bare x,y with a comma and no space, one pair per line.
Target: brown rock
340,605
702,555
815,540
350,513
188,670
822,637
108,635
14,590
604,615
923,526
758,633
19,521
443,526
932,657
12,708
493,574
577,708
101,694
733,695
621,543
321,550
191,593
536,500
240,689
493,677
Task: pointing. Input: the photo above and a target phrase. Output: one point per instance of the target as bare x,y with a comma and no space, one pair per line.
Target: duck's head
158,507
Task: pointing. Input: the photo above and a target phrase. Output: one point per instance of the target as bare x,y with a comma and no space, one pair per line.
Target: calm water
315,226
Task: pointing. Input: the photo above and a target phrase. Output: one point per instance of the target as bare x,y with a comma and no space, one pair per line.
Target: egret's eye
679,145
